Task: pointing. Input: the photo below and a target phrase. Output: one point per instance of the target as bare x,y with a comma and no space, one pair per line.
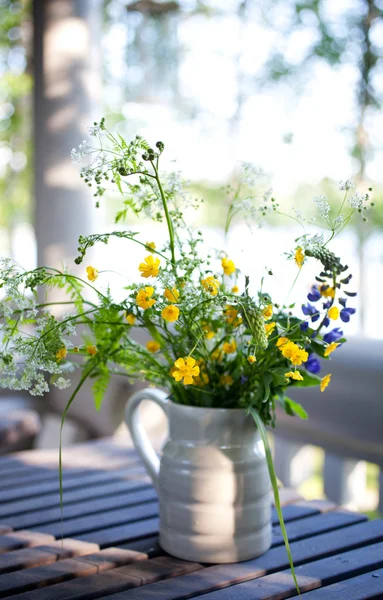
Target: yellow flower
330,348
150,267
61,354
92,350
251,359
333,313
327,291
294,375
209,333
186,369
153,346
92,273
229,347
226,380
235,289
130,318
75,348
228,266
216,355
324,382
231,315
203,378
150,246
268,312
211,285
144,297
299,257
282,341
171,295
294,353
269,328
170,313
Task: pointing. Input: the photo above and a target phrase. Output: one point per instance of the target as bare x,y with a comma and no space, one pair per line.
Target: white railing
346,421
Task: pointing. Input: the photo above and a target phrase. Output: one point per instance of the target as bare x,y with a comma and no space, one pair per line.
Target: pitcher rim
205,408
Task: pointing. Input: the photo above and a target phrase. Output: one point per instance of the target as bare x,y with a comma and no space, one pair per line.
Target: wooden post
67,72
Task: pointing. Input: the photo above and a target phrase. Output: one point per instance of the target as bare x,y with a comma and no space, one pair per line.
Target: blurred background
294,87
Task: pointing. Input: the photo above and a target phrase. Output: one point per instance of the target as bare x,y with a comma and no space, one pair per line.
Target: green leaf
267,379
295,408
309,380
278,376
274,483
100,387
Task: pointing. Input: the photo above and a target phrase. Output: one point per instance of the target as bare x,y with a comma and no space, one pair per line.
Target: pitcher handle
140,438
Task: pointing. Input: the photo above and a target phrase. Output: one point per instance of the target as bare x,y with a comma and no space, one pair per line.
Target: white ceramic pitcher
212,481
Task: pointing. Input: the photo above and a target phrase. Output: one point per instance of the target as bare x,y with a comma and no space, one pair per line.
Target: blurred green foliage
15,113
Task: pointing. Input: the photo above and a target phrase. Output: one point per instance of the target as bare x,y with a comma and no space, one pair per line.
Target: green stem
168,219
274,483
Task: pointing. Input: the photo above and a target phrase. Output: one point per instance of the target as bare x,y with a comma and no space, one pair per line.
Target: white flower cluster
322,205
83,150
249,173
358,200
346,185
95,131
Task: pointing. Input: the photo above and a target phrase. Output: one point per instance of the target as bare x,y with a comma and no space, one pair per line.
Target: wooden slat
23,539
77,495
91,523
219,576
64,570
296,529
41,555
4,529
123,578
364,587
311,576
70,482
92,506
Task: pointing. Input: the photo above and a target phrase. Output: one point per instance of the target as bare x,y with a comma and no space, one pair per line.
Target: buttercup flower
330,348
324,382
153,346
211,285
294,375
171,294
61,354
299,257
231,316
281,341
269,328
170,313
228,266
235,289
144,297
333,313
251,359
327,291
151,266
91,349
150,246
229,347
268,312
226,380
130,318
186,369
92,273
294,353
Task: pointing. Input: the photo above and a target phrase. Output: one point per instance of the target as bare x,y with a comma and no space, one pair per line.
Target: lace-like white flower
346,185
358,200
322,205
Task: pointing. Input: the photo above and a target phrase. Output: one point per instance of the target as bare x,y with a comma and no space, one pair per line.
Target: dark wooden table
110,547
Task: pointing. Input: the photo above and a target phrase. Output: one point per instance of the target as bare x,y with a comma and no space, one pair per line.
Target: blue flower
304,325
346,313
333,336
342,301
243,379
309,309
326,322
314,295
312,364
327,304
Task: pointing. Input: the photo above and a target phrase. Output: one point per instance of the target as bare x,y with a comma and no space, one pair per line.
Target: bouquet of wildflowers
212,343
